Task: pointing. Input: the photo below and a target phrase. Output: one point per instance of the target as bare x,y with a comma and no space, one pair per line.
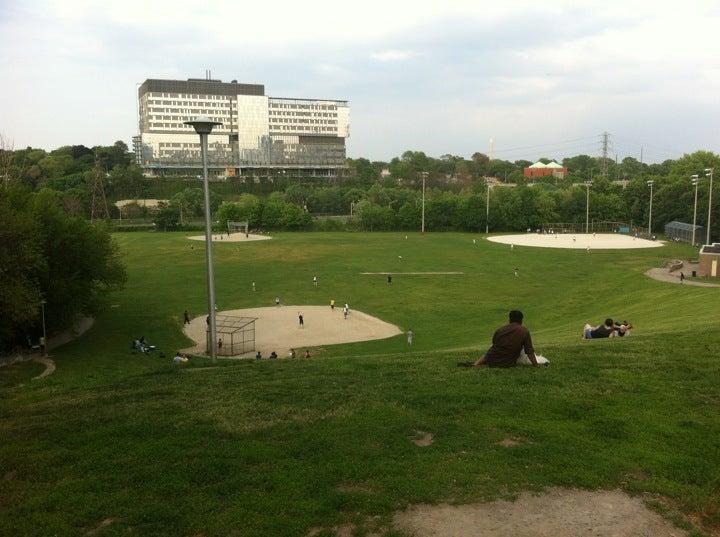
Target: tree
50,255
167,218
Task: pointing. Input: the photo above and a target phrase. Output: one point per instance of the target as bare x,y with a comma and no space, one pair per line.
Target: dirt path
277,328
664,275
557,513
49,367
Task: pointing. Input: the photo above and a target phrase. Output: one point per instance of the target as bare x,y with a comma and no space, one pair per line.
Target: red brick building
540,169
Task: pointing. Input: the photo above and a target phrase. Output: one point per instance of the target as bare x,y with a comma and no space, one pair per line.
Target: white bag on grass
524,360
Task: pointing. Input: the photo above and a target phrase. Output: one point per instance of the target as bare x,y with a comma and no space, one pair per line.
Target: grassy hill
276,448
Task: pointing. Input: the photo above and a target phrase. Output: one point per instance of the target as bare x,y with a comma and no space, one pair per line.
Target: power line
561,142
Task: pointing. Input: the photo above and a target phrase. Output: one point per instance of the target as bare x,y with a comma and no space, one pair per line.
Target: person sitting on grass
307,353
600,331
507,343
179,358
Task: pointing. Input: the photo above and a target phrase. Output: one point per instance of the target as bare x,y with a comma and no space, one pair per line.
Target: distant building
540,169
258,135
709,260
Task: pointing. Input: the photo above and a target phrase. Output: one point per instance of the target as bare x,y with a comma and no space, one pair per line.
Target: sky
541,79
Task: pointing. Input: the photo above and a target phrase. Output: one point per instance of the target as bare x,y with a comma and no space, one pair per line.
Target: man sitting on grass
507,343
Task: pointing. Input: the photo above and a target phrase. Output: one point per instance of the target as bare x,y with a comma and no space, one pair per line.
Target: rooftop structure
540,169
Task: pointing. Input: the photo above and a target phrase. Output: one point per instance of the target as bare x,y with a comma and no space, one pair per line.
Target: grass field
117,443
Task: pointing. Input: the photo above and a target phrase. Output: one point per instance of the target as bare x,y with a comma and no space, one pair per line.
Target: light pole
709,173
650,184
487,207
694,179
44,345
587,206
424,176
203,126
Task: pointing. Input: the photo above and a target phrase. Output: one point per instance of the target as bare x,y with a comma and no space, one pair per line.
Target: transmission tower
99,208
606,148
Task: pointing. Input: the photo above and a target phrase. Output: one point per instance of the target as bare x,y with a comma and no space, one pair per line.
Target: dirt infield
557,513
233,237
277,328
578,241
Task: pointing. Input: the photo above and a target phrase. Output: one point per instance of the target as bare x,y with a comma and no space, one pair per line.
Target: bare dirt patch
233,237
577,241
510,442
277,328
422,439
100,525
556,513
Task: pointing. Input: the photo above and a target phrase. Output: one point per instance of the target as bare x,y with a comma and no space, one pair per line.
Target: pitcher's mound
578,241
233,237
557,513
278,328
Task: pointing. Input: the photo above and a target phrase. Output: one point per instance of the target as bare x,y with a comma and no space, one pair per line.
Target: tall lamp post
44,345
709,173
203,126
694,179
650,184
587,207
487,207
424,176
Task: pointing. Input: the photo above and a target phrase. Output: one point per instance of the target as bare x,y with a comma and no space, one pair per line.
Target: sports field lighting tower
588,184
694,179
709,173
650,184
424,177
204,126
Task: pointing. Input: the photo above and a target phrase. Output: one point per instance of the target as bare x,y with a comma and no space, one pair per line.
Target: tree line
386,195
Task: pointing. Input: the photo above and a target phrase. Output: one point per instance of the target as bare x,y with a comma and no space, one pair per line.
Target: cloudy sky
540,78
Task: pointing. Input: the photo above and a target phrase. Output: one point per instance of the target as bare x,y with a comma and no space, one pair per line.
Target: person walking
389,279
315,281
682,277
410,335
516,272
277,301
301,320
253,286
187,318
332,304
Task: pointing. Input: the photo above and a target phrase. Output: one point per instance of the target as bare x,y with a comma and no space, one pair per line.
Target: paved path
49,367
664,275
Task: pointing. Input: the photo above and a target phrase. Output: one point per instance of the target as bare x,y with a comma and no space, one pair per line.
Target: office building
259,135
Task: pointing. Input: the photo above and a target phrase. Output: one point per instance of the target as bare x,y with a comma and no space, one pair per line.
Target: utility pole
709,173
98,206
487,207
587,207
424,176
650,184
694,179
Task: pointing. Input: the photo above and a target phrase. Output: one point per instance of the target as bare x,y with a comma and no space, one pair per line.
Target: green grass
275,448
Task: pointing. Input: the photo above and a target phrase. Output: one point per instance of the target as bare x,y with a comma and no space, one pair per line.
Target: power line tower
99,208
606,148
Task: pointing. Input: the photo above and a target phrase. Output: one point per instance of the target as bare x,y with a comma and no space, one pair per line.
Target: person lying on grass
600,331
507,343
